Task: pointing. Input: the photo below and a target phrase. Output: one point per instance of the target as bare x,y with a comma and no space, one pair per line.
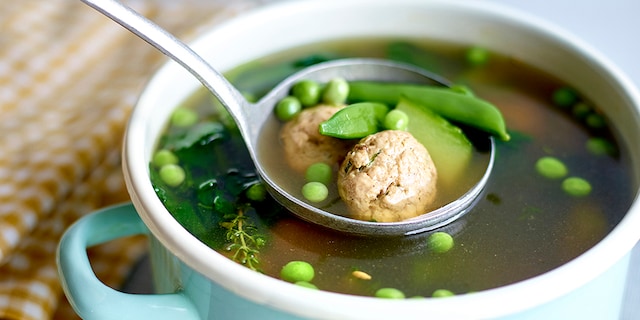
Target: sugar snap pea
450,104
355,121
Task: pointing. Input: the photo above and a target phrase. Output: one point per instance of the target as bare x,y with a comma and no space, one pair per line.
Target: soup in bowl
553,226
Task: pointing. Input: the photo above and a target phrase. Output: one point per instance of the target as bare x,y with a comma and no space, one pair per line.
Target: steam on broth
527,221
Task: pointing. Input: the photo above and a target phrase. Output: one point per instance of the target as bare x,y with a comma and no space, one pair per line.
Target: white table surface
613,28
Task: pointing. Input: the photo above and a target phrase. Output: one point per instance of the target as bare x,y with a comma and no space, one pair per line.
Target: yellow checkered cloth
68,79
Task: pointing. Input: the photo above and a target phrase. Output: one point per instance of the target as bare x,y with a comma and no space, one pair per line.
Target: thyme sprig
245,240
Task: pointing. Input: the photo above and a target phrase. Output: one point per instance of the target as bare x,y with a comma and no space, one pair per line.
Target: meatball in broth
388,176
304,145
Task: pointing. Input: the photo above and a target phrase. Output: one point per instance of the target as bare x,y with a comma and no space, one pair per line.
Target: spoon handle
175,49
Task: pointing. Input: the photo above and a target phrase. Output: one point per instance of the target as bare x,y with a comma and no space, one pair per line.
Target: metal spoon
251,118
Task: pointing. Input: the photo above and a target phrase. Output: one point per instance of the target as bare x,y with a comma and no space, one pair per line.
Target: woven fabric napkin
68,79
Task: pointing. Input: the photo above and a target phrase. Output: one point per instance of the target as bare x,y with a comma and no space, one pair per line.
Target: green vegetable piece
577,187
477,56
183,117
448,146
164,157
296,271
389,293
443,293
306,284
581,110
564,97
172,174
551,167
601,146
315,191
336,92
288,107
440,242
307,91
595,121
355,121
396,120
256,192
447,103
319,172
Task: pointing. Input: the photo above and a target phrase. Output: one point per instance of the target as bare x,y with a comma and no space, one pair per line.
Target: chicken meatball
388,176
304,145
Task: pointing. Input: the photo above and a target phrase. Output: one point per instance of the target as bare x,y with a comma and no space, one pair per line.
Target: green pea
295,271
389,293
256,192
183,117
306,284
551,167
577,187
319,172
315,191
307,91
396,120
442,293
581,110
447,103
288,107
564,97
336,92
163,157
172,174
595,121
355,121
440,242
477,56
601,146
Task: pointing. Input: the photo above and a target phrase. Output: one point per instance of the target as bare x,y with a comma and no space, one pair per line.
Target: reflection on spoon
251,118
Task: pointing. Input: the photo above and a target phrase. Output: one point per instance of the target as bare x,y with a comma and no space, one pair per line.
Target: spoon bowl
251,118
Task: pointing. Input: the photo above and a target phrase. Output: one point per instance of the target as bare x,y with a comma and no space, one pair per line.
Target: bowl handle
92,299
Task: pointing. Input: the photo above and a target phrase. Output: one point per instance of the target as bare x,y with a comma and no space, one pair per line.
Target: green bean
355,121
447,103
336,92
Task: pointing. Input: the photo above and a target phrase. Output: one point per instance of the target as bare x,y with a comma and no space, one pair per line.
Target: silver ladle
250,118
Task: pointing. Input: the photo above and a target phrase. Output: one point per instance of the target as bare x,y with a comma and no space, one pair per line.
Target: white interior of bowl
283,26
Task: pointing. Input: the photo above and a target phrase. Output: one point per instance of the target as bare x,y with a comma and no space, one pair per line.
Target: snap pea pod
355,121
450,104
